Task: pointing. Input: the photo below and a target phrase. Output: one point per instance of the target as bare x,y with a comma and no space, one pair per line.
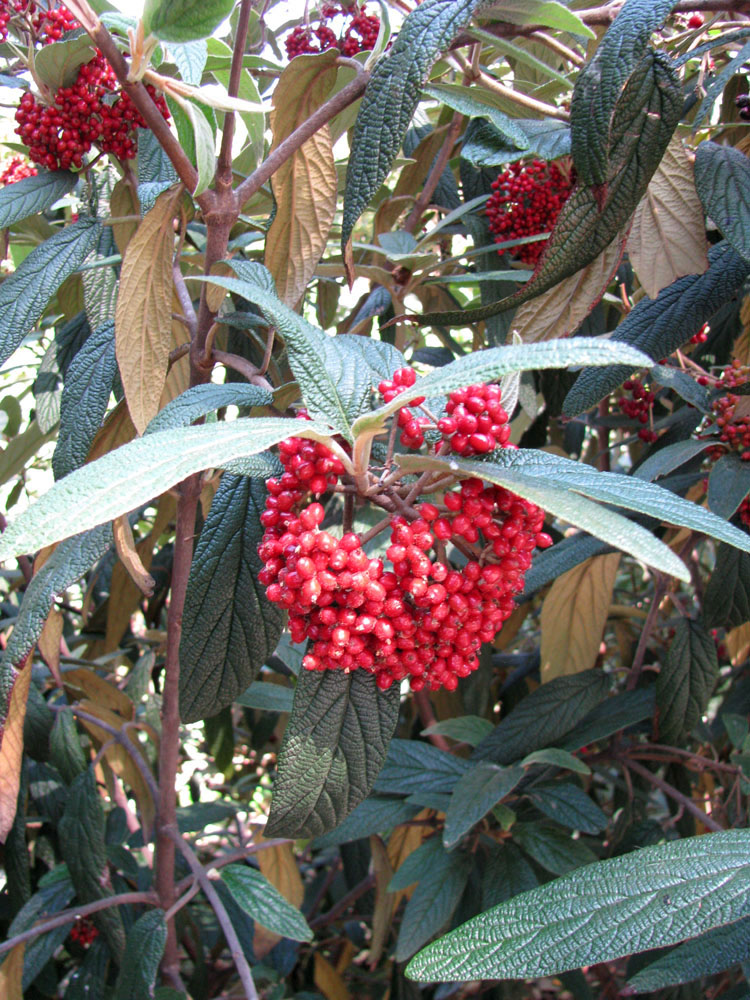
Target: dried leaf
328,981
305,186
143,321
85,683
667,240
561,310
384,901
11,974
574,614
123,203
117,429
11,748
49,643
129,557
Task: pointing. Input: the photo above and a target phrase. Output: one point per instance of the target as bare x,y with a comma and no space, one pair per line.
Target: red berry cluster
84,932
734,427
701,336
91,111
638,406
360,35
44,25
526,201
476,422
15,169
422,619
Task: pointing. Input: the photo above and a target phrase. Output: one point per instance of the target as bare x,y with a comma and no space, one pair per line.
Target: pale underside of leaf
561,310
667,239
574,614
306,185
143,319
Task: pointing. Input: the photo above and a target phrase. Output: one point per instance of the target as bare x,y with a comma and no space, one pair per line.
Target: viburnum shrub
374,500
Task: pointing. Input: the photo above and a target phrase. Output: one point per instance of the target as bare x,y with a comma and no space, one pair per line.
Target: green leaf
267,697
199,815
600,84
203,399
686,680
190,59
469,729
551,848
610,716
25,293
659,326
728,485
85,397
649,898
474,794
485,145
684,385
333,748
717,84
32,195
49,899
722,180
202,149
66,754
476,102
412,766
265,904
555,757
377,814
336,374
140,470
417,865
57,64
727,598
669,458
65,566
184,20
491,364
88,981
433,901
569,805
544,716
560,496
565,555
505,874
143,951
229,626
712,952
645,118
81,834
547,12
391,98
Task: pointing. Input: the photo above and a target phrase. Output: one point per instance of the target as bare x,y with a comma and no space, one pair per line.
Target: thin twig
70,916
436,172
183,296
674,794
224,167
238,956
344,903
660,589
243,366
557,46
121,737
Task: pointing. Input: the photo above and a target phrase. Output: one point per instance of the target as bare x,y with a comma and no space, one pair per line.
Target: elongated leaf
551,848
392,96
142,469
184,20
543,717
646,899
376,814
66,565
684,385
722,177
600,83
143,951
728,485
671,457
476,102
566,555
560,497
265,904
686,680
32,195
85,396
433,901
190,59
717,85
659,326
25,294
336,374
549,12
569,805
202,399
52,896
610,716
143,320
712,952
412,766
490,365
469,729
417,865
229,627
485,145
306,185
646,116
727,598
333,748
267,697
474,794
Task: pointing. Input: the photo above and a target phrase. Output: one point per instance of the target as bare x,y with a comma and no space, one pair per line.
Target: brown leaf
404,840
11,747
667,239
49,643
279,866
124,202
328,981
117,429
11,974
384,901
143,320
737,641
574,614
305,186
129,557
85,683
561,310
